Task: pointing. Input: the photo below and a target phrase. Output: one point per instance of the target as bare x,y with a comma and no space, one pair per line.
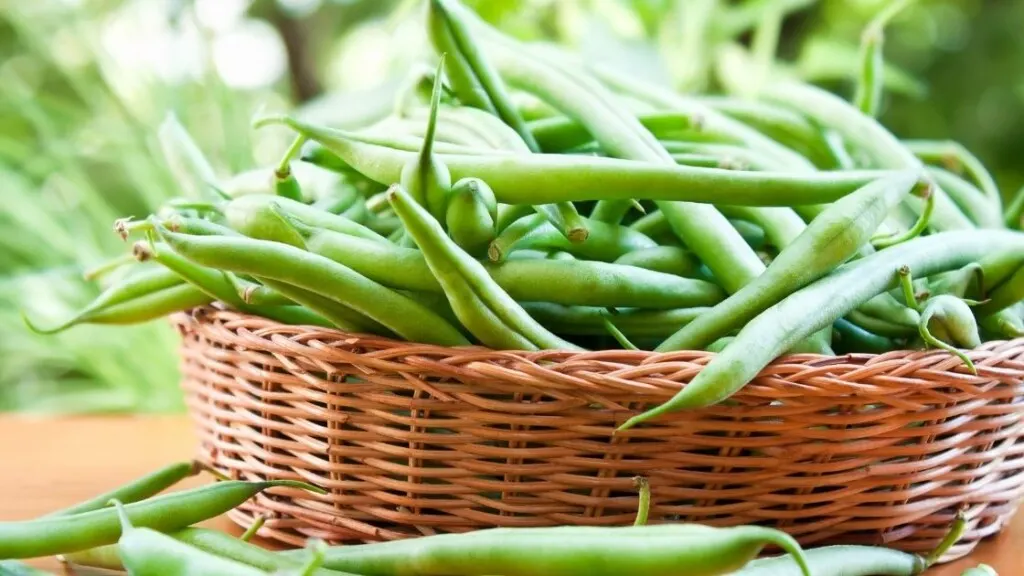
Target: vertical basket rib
412,439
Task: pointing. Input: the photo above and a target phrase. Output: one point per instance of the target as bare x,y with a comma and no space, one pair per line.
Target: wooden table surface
47,464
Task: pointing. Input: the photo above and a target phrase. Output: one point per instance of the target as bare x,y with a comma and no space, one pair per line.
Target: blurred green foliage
78,117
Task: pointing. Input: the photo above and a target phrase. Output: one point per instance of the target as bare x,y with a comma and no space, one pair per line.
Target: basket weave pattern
413,439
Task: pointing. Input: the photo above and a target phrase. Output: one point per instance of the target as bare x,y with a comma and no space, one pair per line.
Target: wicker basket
413,439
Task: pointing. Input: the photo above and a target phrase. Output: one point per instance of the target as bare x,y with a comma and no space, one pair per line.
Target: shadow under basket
412,439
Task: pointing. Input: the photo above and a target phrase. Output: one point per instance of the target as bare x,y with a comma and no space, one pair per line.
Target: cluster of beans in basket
520,199
136,529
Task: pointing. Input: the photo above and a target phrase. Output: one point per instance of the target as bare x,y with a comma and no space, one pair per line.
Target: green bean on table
61,534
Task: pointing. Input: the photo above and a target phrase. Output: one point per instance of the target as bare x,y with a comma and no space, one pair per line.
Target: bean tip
142,251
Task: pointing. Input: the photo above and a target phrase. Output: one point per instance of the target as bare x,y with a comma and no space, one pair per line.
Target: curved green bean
579,282
323,277
828,241
668,259
471,214
633,322
971,201
454,268
820,304
605,242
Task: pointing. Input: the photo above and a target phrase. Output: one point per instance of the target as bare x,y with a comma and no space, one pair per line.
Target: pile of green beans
133,529
758,222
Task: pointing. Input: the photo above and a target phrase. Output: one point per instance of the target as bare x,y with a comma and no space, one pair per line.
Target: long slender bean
451,265
321,276
971,201
828,241
952,155
528,280
820,304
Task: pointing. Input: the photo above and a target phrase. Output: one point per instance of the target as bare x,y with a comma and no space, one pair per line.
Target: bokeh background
85,83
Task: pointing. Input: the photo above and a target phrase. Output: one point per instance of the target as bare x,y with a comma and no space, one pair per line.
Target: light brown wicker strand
853,449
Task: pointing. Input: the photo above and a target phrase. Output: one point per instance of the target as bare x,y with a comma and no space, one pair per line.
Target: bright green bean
470,215
952,155
948,323
1004,295
528,280
605,242
561,133
323,277
828,241
971,201
821,303
633,322
667,259
840,561
244,213
1014,214
452,267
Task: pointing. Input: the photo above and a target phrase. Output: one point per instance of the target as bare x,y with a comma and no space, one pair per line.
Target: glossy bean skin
528,280
246,212
951,317
145,284
605,242
544,178
321,276
821,303
218,286
971,201
867,135
470,215
455,269
667,259
147,552
1004,295
828,241
588,320
653,550
840,561
138,489
60,534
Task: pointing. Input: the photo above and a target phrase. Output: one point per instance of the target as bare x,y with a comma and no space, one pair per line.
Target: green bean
707,161
190,167
60,534
606,242
967,281
643,507
339,202
176,222
970,200
617,334
147,552
751,233
141,308
427,177
384,225
485,128
728,154
999,266
1014,214
1005,294
956,158
881,326
886,240
785,126
867,135
452,267
321,276
781,226
1006,323
110,266
323,311
853,338
578,282
285,183
509,213
635,550
243,213
138,489
588,320
828,241
471,214
144,283
562,133
840,561
651,224
821,303
667,259
886,306
226,546
868,97
444,132
541,178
